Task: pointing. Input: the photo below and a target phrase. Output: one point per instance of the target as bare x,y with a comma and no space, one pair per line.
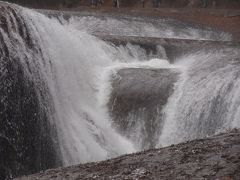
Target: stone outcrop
215,157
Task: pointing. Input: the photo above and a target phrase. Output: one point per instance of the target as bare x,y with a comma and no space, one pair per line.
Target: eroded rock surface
215,157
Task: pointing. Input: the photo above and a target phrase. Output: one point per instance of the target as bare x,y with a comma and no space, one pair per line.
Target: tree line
73,3
46,3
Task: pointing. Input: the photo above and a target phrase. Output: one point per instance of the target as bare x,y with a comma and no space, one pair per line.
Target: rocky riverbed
215,157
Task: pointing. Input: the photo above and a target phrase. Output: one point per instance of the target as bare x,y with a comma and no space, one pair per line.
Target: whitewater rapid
124,25
72,72
205,99
84,131
75,68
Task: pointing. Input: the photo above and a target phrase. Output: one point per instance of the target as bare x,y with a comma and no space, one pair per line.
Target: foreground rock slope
215,157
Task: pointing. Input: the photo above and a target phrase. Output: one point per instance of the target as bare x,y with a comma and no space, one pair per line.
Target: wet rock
174,48
136,102
27,138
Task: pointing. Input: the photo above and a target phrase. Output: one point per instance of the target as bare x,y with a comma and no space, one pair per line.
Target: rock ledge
216,157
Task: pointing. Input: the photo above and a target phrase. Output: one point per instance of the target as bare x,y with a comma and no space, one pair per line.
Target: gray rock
215,157
136,101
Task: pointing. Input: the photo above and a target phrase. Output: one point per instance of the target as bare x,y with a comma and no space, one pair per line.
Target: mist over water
75,68
75,78
72,71
205,100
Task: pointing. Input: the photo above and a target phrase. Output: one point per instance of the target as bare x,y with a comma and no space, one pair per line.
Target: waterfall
70,64
143,27
70,70
84,131
60,98
205,100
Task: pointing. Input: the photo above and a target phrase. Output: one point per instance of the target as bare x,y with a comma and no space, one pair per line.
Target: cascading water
84,131
143,27
71,72
67,75
205,100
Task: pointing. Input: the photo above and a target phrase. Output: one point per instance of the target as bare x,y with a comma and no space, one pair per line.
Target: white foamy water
205,100
73,65
76,69
143,27
150,64
73,74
